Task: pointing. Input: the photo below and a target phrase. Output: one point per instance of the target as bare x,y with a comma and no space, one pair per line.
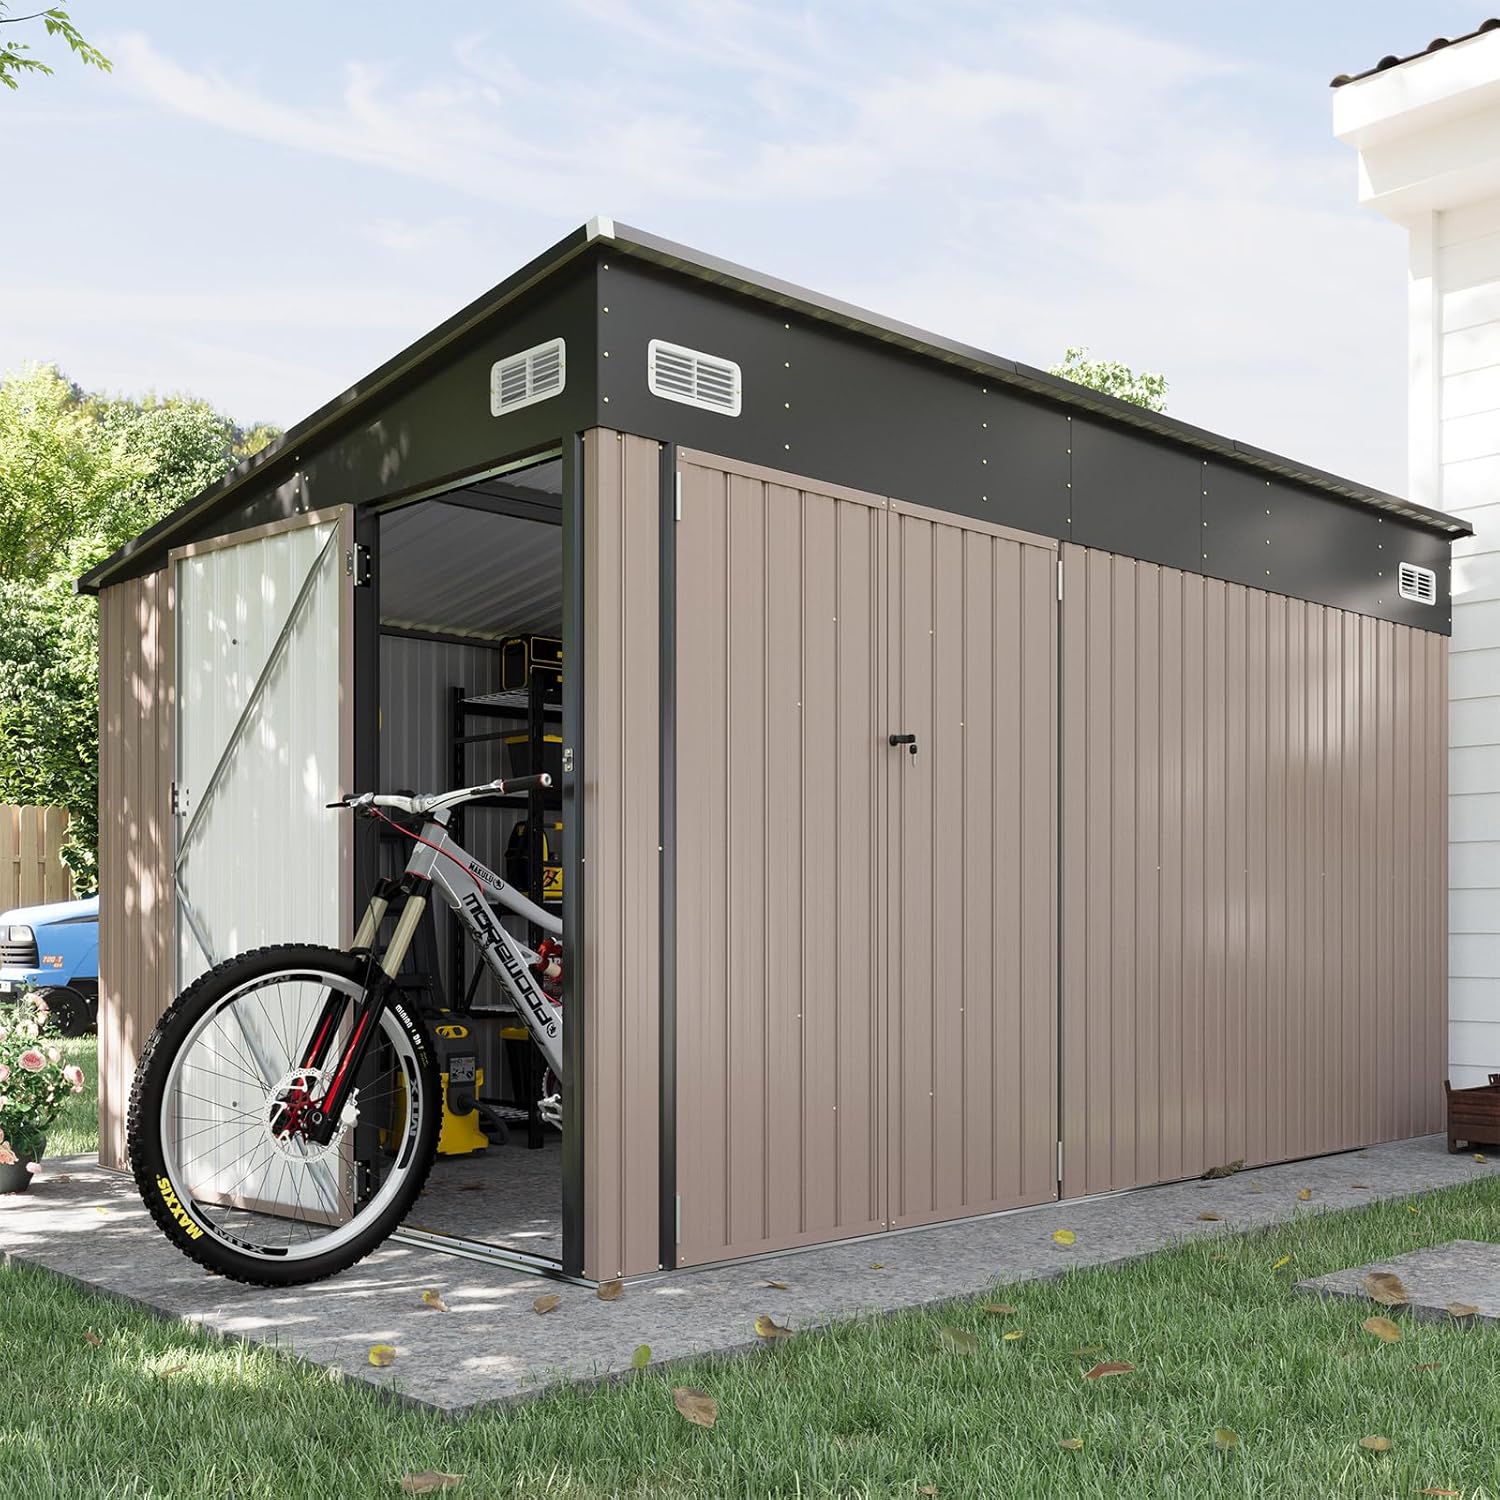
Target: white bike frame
470,890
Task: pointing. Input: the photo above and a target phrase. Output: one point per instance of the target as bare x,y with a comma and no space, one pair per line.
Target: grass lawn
877,1408
76,1129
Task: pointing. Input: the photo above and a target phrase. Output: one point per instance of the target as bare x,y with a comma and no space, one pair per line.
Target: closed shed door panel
971,936
779,599
1253,875
263,637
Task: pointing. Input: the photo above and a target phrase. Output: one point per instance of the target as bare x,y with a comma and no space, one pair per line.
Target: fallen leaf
1000,1309
99,1208
927,1489
434,1299
1365,1186
470,1187
1383,1329
1478,1156
429,1481
1439,1492
1385,1287
769,1328
1376,1444
382,1355
64,1177
1112,1368
1227,1170
696,1406
172,1370
958,1338
641,1358
547,1303
609,1291
1285,1260
778,1286
1013,1334
1412,1208
1462,1309
877,1265
1210,1218
1071,1444
1063,1237
1225,1438
90,1337
1304,1194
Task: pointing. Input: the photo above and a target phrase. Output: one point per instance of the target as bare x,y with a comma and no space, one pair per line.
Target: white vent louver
1417,584
693,377
528,377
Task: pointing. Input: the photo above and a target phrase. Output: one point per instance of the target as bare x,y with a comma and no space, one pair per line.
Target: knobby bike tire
182,1222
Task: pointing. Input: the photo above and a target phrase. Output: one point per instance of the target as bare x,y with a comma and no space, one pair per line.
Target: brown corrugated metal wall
779,885
137,927
971,926
866,1012
621,854
1254,878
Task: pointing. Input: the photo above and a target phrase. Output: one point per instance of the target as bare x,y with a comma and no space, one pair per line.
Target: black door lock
909,740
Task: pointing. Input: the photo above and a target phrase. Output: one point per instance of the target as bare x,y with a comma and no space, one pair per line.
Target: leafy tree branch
16,57
1143,388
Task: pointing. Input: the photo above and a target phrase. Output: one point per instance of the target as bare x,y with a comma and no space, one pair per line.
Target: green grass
76,1129
876,1408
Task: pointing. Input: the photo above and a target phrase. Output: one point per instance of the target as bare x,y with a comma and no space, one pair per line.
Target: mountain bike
286,1108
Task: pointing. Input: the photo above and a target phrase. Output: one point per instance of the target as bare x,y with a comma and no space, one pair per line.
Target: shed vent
1417,584
694,378
532,375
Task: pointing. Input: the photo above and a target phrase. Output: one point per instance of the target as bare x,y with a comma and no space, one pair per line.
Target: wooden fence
31,867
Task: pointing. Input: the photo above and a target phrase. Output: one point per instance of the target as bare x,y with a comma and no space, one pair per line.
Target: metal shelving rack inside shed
534,707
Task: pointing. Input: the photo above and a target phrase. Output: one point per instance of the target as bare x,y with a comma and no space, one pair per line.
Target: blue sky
266,200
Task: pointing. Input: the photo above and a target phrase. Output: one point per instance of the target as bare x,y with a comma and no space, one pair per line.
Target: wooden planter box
1473,1114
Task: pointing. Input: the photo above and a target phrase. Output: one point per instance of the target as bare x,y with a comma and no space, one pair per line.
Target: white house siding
1461,246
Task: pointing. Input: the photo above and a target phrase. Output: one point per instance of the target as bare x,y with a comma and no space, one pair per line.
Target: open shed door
264,667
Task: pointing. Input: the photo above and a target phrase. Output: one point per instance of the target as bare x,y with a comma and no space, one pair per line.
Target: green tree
1113,379
16,58
79,475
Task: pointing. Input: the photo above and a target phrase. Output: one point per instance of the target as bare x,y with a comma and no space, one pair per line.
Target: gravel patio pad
88,1224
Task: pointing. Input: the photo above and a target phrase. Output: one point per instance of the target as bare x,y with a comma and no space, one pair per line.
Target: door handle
909,740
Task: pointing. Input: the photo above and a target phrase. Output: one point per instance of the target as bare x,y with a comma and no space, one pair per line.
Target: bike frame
470,890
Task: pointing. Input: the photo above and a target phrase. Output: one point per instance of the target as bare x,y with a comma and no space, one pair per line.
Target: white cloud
1038,178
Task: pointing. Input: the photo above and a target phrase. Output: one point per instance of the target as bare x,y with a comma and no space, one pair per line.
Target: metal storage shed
1161,887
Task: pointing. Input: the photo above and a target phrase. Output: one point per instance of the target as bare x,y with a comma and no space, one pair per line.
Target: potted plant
34,1084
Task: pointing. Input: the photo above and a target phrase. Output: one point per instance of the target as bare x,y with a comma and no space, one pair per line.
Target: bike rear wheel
212,1143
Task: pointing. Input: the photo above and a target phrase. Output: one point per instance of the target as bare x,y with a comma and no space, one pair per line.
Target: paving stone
1466,1271
493,1348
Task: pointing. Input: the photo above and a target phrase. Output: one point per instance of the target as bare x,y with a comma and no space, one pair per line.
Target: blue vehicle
54,949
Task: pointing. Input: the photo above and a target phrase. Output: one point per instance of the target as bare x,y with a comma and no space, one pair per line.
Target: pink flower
7,1156
32,1060
73,1074
33,1166
28,1029
4,1072
53,1055
3,1033
41,1010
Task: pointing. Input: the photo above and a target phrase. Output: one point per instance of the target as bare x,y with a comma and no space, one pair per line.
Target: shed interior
470,608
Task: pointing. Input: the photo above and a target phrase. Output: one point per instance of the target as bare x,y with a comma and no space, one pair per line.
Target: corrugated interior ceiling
451,566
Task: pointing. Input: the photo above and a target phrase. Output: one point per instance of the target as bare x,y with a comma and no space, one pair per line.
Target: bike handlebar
436,801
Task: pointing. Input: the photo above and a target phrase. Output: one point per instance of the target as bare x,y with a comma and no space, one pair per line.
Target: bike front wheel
222,1174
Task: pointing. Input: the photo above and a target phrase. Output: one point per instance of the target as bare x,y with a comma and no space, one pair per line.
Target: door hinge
181,798
679,1219
1059,1161
1059,580
357,565
679,494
